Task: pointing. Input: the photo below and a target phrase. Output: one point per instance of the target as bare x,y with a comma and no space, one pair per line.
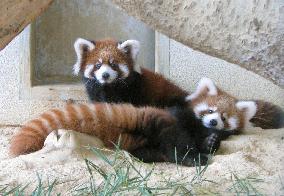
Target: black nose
105,76
213,122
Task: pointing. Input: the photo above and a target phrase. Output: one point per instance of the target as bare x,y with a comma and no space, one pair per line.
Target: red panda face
106,61
218,114
215,108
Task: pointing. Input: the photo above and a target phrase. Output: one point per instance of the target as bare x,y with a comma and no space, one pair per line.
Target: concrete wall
187,66
12,109
65,20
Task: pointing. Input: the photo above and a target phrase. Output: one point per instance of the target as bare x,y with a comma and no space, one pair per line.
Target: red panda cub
148,133
217,109
110,74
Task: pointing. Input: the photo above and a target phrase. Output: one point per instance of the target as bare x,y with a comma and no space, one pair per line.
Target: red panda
151,134
220,110
110,74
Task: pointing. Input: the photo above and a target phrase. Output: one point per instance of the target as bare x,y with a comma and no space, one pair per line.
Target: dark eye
223,118
98,65
210,111
113,65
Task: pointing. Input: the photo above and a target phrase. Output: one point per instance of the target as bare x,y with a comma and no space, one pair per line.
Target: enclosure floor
256,153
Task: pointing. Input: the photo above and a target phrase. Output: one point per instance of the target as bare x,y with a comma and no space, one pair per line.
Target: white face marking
88,70
106,69
124,69
202,84
200,108
206,120
233,123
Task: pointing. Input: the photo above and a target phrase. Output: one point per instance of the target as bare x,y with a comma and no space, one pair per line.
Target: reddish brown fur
157,87
106,121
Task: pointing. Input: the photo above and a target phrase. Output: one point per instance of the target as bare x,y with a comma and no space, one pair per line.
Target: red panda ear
205,85
249,107
81,46
130,46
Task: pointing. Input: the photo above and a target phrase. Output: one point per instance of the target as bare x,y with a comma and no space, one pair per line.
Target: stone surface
188,66
247,33
13,109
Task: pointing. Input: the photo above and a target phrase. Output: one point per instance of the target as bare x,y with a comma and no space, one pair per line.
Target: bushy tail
268,116
108,122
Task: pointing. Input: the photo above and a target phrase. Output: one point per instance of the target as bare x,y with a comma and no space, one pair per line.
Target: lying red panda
151,134
217,109
110,74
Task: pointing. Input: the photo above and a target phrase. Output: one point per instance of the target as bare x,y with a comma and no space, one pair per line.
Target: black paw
212,142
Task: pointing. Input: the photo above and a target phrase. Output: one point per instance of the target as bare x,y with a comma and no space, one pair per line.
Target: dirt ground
256,153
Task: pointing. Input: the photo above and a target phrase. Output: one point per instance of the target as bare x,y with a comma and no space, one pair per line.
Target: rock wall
247,33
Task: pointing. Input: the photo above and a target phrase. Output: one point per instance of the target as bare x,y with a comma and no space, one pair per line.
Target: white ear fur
203,83
250,108
79,46
134,46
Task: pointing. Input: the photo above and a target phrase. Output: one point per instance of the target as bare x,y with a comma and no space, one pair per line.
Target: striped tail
108,122
268,116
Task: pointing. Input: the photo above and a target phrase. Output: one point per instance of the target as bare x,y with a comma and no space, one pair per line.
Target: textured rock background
247,33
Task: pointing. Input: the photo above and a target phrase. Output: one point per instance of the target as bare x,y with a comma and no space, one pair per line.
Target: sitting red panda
217,109
151,134
110,74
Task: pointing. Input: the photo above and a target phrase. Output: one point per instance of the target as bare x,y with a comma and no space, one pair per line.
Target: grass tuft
124,176
245,186
39,190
